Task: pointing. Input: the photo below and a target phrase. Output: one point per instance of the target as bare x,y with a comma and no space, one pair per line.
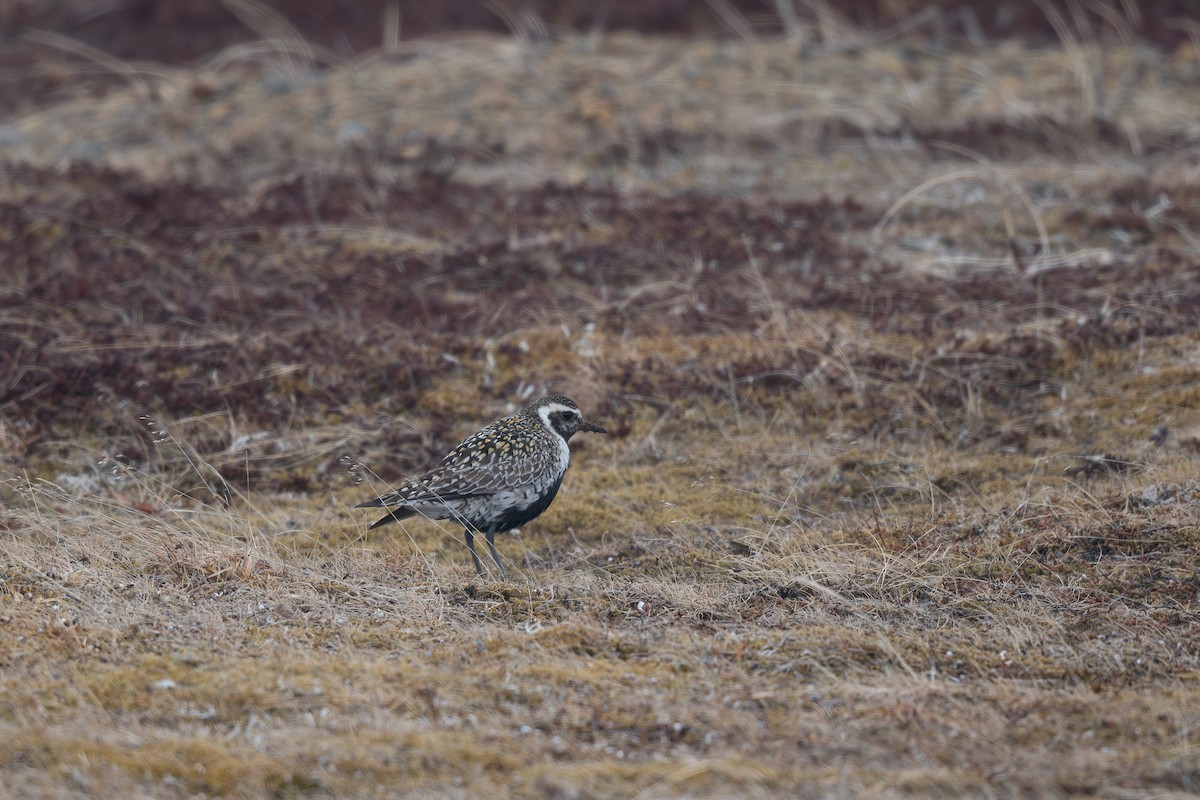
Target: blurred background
182,31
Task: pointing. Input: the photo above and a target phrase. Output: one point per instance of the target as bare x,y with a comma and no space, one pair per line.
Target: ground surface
896,338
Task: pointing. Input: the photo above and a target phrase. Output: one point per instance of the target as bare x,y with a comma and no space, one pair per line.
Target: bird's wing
499,457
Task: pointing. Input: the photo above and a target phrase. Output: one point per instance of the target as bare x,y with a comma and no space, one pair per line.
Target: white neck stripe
544,412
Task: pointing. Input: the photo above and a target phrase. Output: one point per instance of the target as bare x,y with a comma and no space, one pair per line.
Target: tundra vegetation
894,331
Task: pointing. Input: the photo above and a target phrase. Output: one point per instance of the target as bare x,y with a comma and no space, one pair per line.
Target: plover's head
561,415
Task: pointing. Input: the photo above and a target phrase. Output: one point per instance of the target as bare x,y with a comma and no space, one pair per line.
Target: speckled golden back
513,452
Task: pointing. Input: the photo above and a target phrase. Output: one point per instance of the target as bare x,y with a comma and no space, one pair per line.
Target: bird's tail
393,515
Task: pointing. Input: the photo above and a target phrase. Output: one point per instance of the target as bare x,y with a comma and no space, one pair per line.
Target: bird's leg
491,540
471,545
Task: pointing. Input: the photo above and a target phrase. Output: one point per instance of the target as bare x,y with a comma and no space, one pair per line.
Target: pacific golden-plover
498,479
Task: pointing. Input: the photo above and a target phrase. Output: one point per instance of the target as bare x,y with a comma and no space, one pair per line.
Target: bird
497,479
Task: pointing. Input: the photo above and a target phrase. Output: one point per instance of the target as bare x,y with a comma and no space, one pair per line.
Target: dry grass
901,496
709,610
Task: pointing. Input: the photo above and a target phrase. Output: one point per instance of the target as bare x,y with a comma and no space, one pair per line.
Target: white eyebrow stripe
548,409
